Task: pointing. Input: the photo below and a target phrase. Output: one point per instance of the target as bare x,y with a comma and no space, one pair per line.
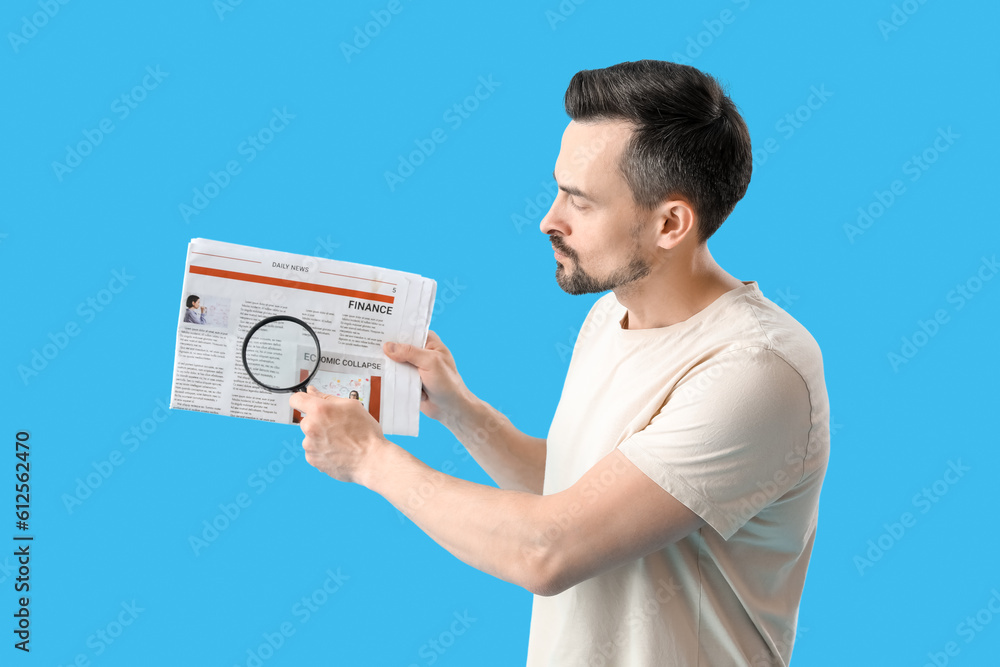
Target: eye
574,204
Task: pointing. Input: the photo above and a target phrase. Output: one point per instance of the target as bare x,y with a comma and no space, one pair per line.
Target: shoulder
757,323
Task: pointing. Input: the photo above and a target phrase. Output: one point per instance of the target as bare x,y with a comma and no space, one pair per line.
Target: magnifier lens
281,355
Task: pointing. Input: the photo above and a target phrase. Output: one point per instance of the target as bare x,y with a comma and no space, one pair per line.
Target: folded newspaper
353,309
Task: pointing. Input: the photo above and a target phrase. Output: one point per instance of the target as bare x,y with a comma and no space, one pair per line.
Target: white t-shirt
728,412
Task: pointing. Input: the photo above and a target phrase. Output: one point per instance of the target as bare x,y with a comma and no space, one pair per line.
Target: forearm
514,460
493,530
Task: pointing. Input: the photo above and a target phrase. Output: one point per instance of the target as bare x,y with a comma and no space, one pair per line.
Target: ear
678,221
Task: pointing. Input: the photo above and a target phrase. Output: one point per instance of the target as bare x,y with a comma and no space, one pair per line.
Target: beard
580,282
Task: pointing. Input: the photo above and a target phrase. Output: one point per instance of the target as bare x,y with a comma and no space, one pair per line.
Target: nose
554,221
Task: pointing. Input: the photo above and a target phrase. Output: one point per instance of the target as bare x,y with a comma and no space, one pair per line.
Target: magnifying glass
281,353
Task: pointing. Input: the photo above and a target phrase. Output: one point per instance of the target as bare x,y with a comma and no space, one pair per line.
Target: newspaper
353,309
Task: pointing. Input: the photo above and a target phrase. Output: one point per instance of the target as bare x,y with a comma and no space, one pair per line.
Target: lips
560,248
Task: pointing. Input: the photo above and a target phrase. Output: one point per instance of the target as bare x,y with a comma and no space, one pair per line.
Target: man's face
602,240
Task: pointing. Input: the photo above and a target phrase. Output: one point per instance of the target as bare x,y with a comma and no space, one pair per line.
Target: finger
304,402
434,343
313,391
403,353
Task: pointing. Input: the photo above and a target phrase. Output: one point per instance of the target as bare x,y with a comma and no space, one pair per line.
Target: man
674,524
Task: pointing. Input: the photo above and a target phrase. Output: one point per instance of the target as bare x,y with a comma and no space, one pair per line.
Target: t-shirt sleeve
730,438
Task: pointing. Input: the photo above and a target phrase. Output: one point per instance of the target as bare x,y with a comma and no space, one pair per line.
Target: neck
680,285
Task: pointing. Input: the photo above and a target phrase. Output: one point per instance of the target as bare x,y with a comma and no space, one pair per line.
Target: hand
444,394
341,436
204,308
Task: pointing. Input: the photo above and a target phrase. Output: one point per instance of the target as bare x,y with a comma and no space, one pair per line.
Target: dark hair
688,140
192,299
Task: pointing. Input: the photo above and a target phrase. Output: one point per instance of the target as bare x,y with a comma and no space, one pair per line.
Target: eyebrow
569,189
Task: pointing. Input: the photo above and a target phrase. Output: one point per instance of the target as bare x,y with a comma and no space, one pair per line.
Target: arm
546,544
514,460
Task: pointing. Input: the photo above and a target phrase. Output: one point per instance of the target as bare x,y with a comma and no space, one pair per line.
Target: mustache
560,245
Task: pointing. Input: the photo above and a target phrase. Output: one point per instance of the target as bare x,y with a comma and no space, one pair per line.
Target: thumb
401,352
313,391
395,351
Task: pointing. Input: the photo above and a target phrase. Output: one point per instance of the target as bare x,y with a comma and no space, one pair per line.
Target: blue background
320,188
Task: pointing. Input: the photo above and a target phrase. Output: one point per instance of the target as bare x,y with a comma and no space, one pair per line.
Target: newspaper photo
350,310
